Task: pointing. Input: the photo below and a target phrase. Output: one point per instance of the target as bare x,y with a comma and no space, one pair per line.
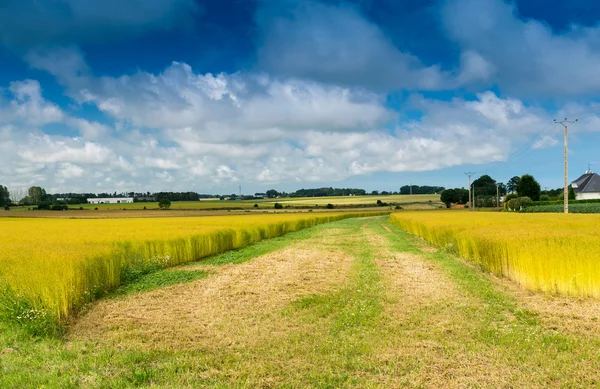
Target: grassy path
356,303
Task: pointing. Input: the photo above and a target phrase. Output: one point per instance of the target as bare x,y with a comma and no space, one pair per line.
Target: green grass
159,279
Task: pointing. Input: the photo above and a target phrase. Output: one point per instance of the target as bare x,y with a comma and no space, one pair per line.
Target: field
355,303
50,268
541,252
210,204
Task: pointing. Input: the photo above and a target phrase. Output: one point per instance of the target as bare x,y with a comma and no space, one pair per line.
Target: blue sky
131,95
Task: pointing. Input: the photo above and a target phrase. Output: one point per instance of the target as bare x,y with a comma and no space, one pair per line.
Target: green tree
485,185
36,195
4,196
571,193
511,186
448,197
272,193
164,203
529,187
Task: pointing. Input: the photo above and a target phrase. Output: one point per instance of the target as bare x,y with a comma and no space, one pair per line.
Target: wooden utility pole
469,174
566,156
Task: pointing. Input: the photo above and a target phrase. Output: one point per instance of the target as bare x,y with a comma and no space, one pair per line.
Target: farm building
587,186
115,200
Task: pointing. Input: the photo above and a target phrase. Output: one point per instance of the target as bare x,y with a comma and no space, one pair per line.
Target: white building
587,187
114,200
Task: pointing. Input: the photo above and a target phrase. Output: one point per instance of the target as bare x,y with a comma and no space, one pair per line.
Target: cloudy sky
149,95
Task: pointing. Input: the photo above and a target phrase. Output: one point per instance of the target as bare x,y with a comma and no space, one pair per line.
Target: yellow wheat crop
553,253
59,264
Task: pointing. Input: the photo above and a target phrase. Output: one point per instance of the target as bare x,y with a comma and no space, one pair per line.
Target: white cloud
544,142
68,171
48,149
179,130
28,106
524,57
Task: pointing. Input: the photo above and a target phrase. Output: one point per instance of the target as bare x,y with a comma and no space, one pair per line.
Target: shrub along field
548,253
50,268
557,208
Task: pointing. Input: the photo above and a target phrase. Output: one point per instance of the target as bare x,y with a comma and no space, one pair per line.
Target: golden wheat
552,253
59,264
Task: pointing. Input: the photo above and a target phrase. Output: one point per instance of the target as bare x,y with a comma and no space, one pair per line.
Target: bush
59,207
544,197
329,206
144,207
95,209
278,206
398,207
81,208
44,205
164,203
6,208
255,205
519,203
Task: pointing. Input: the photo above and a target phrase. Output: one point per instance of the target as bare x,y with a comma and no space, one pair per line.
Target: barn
587,187
112,200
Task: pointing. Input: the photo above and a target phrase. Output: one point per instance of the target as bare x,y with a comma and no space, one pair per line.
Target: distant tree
448,197
272,193
164,203
255,205
4,196
35,195
511,185
485,185
528,187
571,193
278,206
375,193
502,190
329,206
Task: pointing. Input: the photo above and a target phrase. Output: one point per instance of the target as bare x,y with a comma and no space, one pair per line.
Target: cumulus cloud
523,56
217,131
27,105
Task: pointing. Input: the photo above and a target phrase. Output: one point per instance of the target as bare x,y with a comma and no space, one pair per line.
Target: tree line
485,189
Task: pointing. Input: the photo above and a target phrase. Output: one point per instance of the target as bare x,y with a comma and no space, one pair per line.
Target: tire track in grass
302,316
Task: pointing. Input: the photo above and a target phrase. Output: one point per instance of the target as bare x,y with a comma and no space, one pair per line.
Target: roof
588,183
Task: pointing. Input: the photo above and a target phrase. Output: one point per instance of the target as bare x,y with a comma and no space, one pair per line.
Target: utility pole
566,189
410,188
469,174
497,196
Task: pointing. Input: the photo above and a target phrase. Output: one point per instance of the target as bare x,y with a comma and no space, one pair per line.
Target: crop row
553,253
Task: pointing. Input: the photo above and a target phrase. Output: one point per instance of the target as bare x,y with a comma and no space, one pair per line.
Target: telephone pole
469,174
566,189
497,196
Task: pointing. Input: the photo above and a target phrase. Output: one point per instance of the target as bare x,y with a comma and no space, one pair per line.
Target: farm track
357,303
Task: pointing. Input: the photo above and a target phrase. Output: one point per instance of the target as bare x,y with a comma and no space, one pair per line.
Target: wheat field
58,265
552,253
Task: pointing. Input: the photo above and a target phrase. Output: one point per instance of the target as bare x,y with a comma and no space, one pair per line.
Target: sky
192,95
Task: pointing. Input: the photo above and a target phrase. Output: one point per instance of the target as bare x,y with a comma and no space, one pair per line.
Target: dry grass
557,313
240,306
